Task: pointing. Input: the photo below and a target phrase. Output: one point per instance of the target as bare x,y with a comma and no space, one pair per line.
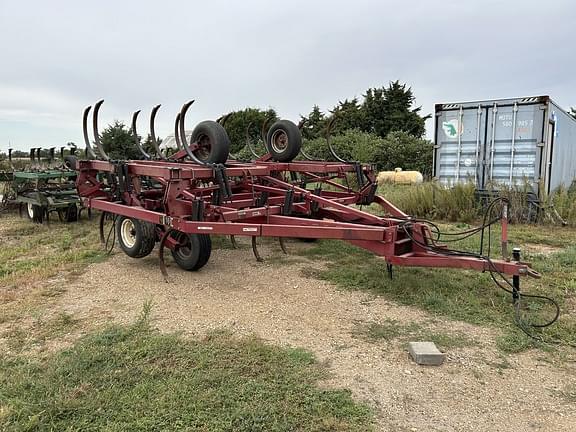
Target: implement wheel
212,141
69,214
192,251
284,141
70,162
135,237
34,212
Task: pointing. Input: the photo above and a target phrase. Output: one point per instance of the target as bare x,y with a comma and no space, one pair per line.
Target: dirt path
475,390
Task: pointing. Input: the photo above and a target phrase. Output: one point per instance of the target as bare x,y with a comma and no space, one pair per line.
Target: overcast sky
59,56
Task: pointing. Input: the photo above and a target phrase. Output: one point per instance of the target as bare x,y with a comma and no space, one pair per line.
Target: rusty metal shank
159,152
249,142
89,150
185,144
177,132
136,137
95,130
329,141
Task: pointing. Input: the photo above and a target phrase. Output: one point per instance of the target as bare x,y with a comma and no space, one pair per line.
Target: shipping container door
460,137
512,153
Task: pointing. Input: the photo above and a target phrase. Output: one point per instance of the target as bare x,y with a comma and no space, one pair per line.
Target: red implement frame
302,199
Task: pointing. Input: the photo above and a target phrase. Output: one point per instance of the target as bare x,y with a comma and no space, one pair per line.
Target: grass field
32,252
470,296
127,378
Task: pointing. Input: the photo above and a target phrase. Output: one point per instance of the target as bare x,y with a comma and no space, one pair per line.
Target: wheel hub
204,146
30,209
279,141
128,233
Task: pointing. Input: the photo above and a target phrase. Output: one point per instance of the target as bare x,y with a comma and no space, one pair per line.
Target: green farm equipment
43,187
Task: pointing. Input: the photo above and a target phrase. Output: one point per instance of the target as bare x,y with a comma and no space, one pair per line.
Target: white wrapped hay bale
400,177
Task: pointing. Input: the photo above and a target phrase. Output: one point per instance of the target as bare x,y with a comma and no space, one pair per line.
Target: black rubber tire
307,239
70,162
283,141
196,255
216,141
70,214
145,237
37,215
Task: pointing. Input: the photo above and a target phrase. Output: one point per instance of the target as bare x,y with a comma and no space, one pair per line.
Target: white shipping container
505,142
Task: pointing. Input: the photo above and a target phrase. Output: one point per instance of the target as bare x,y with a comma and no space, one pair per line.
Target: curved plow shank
223,119
95,130
161,254
329,142
264,129
183,133
89,151
302,152
255,250
249,142
177,132
282,245
159,152
101,228
136,138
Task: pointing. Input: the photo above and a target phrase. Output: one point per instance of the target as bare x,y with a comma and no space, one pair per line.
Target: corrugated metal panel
459,140
505,142
563,158
512,156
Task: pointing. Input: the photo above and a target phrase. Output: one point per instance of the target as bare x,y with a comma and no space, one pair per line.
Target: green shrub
402,150
397,150
352,145
563,200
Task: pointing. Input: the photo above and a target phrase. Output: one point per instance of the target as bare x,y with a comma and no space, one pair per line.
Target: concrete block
426,353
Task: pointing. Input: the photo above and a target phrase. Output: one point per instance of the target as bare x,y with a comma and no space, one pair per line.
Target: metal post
479,117
504,223
460,115
514,115
493,143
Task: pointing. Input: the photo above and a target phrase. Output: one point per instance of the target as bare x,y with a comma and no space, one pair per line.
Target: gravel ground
475,390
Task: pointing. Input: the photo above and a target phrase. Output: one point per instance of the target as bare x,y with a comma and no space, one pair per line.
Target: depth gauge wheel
212,141
284,141
68,214
192,251
32,211
70,162
135,237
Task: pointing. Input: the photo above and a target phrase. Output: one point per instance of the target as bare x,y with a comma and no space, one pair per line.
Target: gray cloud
59,56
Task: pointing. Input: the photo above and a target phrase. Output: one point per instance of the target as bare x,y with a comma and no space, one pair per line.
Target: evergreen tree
118,142
389,109
349,115
314,124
